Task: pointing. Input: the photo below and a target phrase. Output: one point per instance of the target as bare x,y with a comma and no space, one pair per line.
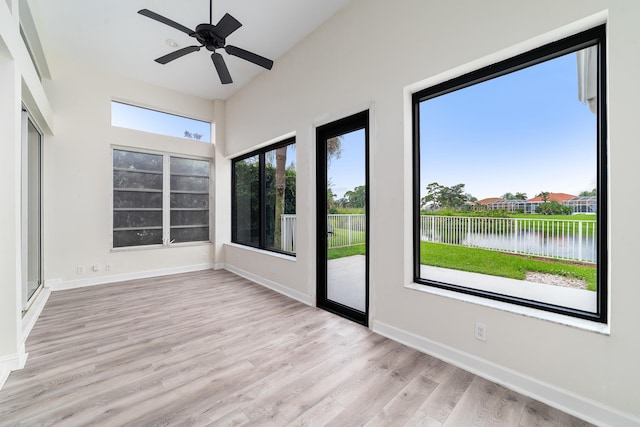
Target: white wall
18,84
78,170
366,56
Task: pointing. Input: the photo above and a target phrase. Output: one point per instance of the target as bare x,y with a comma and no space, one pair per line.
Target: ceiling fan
212,37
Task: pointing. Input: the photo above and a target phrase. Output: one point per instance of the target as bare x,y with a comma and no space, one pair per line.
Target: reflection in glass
280,198
247,200
346,220
137,198
189,200
503,164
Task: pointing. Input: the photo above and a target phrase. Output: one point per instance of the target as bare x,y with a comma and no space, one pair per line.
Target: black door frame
323,133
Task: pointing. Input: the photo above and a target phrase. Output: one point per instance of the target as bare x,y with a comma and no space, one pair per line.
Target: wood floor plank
212,348
487,403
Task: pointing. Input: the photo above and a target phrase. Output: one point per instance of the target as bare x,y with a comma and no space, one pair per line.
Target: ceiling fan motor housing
207,35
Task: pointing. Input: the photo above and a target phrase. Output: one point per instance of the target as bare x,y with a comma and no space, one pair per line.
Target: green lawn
500,264
344,251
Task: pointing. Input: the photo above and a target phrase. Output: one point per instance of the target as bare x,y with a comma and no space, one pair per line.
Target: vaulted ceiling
111,35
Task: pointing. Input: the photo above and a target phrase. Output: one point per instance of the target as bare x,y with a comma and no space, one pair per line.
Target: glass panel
346,220
502,166
189,217
137,161
137,180
184,166
247,200
138,118
191,201
280,198
34,250
137,238
137,219
188,176
137,171
189,183
137,199
192,234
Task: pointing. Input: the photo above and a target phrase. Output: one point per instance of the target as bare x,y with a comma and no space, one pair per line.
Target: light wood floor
213,348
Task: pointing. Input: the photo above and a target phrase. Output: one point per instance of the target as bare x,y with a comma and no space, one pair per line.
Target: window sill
490,283
262,251
150,247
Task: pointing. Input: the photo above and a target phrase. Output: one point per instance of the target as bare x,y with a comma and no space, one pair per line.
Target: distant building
588,204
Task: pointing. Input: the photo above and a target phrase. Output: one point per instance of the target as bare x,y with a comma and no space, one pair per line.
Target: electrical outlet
107,267
96,267
481,331
81,269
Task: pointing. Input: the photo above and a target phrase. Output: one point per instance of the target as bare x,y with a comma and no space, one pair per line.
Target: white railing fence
549,238
346,230
574,240
288,232
343,230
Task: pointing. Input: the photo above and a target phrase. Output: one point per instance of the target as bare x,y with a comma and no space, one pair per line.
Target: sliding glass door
31,210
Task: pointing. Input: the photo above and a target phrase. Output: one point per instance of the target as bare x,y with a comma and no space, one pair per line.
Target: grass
501,264
334,253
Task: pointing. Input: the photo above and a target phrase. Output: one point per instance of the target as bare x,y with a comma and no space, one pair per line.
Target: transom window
264,198
147,120
159,199
510,180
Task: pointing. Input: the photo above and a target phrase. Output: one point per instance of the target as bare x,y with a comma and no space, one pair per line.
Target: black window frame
592,37
262,190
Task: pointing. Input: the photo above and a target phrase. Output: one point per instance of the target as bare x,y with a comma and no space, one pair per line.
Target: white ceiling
111,35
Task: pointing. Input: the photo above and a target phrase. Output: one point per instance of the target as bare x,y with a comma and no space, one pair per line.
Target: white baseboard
30,317
571,403
218,266
299,296
59,284
12,362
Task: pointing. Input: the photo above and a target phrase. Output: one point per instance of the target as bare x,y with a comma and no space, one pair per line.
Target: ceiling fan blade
249,56
227,25
221,68
167,21
177,54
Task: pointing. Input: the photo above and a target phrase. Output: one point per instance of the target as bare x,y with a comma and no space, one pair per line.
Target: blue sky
348,172
131,117
523,132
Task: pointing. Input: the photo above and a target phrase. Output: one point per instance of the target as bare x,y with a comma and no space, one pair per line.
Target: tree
356,198
281,162
517,196
441,196
553,208
544,195
586,193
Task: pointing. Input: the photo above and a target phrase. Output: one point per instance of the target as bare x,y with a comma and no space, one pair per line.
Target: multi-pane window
159,199
264,198
501,157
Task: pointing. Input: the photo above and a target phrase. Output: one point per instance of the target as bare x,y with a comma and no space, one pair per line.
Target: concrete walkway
579,299
346,285
346,281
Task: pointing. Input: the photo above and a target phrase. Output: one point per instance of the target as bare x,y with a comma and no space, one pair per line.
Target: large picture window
159,199
264,198
510,180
